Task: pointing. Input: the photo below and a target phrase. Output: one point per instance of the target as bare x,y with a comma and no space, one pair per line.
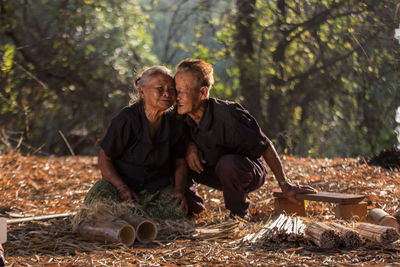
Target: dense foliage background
321,76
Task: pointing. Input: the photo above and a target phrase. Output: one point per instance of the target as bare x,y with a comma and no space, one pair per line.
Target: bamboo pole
146,230
41,217
322,235
378,233
112,231
348,237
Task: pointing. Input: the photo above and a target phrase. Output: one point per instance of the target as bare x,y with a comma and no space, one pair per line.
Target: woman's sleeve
245,134
179,149
117,137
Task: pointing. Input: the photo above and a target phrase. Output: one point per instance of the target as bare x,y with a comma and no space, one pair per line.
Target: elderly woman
142,154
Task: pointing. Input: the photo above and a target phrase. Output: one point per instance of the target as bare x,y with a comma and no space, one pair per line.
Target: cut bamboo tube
322,235
112,231
3,230
348,237
146,230
378,233
381,217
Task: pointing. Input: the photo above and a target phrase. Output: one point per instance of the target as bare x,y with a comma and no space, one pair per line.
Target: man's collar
206,119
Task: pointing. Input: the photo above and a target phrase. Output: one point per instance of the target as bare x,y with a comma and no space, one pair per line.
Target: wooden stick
42,217
349,238
67,143
378,233
322,235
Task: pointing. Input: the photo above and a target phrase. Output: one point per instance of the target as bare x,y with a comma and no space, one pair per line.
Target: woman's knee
101,190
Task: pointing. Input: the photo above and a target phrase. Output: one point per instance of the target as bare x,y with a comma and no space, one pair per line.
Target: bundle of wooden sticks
323,235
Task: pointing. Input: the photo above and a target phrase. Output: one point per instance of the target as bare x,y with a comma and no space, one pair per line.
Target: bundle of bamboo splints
335,235
283,228
332,235
324,235
378,233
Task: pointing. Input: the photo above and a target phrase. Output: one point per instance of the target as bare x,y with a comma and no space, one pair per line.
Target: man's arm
110,174
180,184
290,190
194,158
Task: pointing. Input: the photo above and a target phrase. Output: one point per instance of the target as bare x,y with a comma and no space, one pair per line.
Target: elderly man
227,145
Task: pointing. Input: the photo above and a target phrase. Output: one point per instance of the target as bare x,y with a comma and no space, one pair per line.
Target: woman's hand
126,194
194,158
290,190
180,200
109,173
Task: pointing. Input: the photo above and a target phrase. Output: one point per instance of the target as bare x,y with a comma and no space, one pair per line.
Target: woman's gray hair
143,77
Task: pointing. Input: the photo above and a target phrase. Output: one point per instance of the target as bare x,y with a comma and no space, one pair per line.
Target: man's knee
231,166
226,163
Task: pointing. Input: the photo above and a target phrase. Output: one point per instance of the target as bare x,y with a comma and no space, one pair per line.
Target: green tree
319,74
67,65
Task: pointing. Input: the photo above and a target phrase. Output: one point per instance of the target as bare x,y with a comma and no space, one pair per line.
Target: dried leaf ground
31,185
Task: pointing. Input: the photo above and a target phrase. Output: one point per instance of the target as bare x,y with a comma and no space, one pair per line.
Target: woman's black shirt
141,162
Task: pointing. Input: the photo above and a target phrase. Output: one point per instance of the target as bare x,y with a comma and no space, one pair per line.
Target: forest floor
31,185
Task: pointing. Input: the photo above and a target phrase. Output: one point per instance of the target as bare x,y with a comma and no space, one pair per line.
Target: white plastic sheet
3,230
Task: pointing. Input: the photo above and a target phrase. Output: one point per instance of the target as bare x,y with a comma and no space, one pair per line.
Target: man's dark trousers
235,176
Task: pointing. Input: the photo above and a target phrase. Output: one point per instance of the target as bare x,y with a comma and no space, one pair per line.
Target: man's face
188,97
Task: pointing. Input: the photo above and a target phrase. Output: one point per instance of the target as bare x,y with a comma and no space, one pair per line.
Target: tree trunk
273,111
246,58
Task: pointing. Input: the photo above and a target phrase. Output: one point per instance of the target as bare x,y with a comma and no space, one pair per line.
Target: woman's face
159,92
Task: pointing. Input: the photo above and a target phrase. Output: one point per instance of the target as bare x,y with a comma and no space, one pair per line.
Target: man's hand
290,190
194,158
126,194
180,200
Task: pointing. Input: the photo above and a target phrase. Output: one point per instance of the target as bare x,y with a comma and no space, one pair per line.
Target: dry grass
32,185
